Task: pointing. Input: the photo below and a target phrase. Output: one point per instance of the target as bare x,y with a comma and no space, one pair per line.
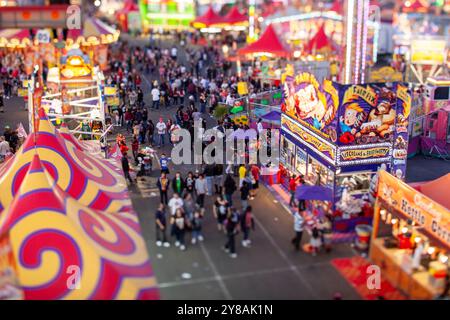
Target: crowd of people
187,206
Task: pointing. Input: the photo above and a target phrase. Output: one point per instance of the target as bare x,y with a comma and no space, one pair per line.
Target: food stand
410,239
338,136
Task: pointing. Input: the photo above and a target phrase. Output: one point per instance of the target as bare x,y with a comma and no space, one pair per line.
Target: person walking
242,172
231,227
126,168
188,206
209,174
229,187
247,224
245,191
190,183
162,129
255,171
135,148
175,203
299,222
218,175
155,97
163,186
292,188
151,131
220,210
196,223
178,184
161,227
315,241
5,148
178,222
201,189
164,163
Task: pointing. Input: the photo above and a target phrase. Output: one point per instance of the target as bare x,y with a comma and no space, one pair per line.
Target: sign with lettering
320,145
365,153
428,214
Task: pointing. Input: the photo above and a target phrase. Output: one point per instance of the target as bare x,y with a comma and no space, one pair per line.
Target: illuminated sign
325,149
430,51
364,154
425,212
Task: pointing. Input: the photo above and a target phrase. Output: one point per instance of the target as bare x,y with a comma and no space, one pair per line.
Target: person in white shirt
230,100
4,148
161,128
173,53
259,127
155,98
175,203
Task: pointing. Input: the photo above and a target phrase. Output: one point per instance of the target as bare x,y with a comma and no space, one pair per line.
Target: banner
401,136
428,214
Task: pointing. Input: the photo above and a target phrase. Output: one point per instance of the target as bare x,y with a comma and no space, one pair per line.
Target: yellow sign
428,51
22,92
110,91
309,139
353,154
242,88
414,205
385,74
365,93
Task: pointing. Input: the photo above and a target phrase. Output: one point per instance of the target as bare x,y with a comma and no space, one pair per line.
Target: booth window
356,183
441,93
300,163
319,174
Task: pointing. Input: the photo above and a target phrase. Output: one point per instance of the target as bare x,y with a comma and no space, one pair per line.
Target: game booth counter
430,126
339,136
411,238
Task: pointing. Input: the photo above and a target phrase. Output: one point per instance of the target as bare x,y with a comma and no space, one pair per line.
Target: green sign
236,109
277,95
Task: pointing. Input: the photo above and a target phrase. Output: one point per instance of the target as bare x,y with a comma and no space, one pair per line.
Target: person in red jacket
292,186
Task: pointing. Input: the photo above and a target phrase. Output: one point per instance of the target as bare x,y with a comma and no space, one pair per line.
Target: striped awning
94,32
15,38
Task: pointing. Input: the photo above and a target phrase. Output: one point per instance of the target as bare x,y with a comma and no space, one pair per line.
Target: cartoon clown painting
352,119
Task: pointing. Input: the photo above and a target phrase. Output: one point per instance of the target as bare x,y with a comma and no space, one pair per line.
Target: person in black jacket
231,227
126,168
229,188
209,175
218,174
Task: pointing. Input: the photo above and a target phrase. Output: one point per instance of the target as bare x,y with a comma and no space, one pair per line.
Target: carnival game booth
410,239
430,127
67,227
338,136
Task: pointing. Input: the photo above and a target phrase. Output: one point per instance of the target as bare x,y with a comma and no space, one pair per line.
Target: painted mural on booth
400,149
367,114
313,104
